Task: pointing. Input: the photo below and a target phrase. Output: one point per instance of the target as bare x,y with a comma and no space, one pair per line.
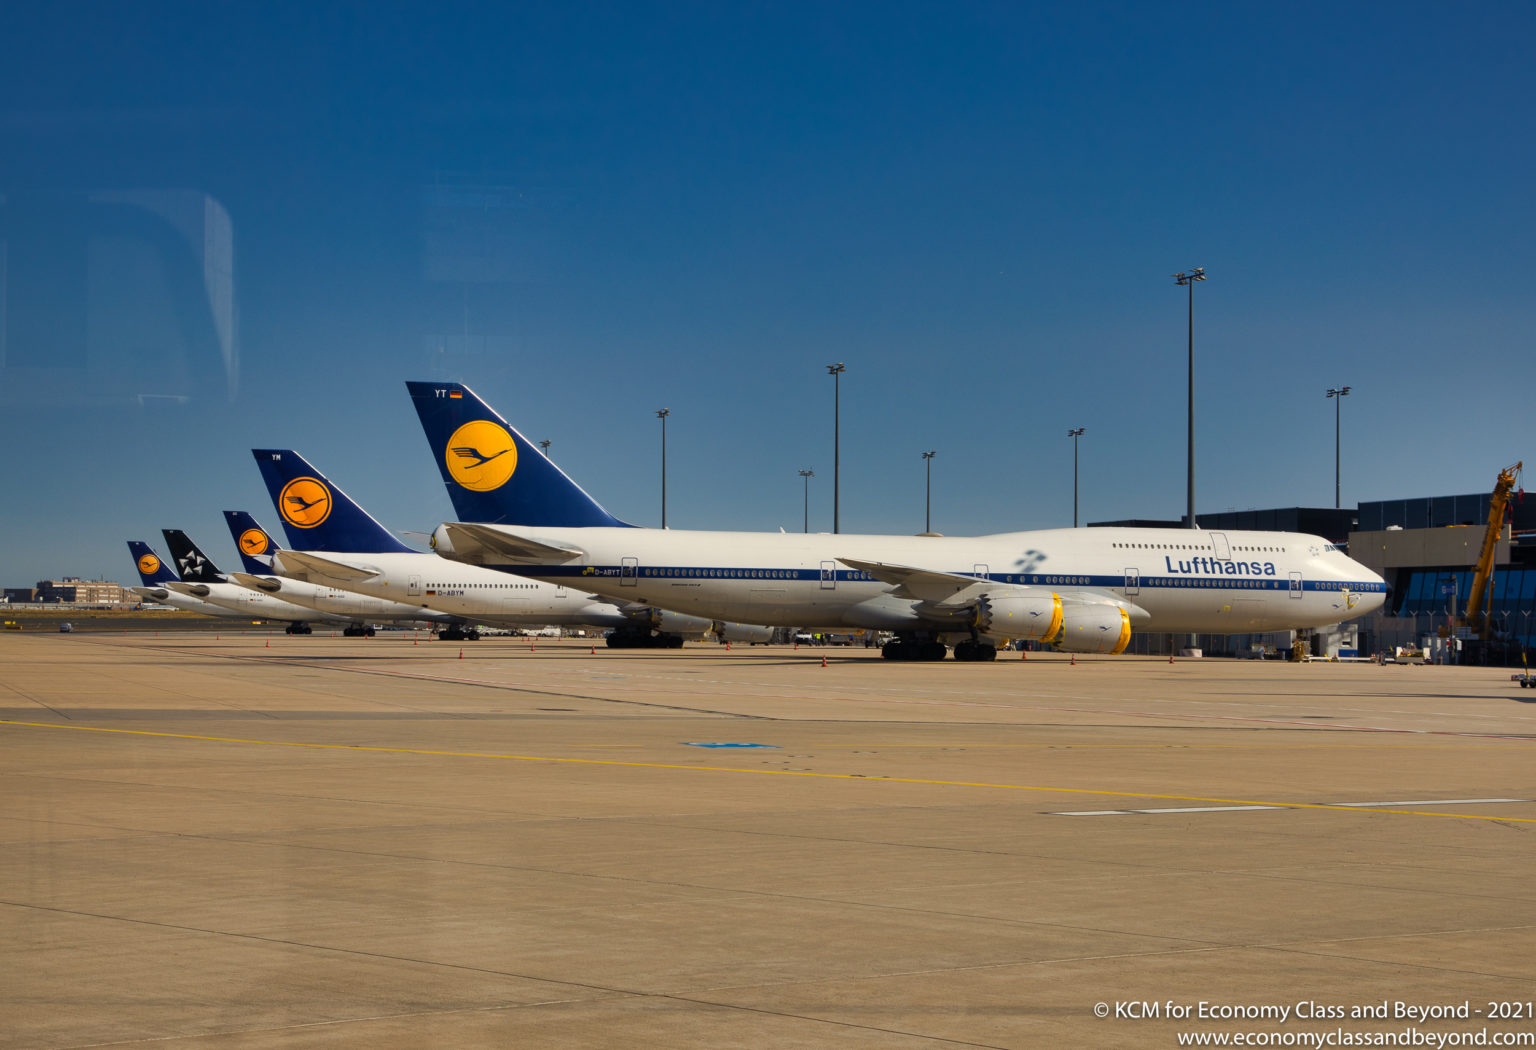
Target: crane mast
1480,595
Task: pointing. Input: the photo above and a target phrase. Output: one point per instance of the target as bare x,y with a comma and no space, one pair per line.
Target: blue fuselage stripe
1116,581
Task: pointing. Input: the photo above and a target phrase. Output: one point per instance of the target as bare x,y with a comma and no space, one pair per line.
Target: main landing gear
625,638
455,633
299,627
358,631
911,648
977,651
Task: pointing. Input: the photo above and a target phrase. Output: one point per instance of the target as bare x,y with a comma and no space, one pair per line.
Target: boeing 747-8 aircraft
340,543
155,577
256,548
1082,590
201,578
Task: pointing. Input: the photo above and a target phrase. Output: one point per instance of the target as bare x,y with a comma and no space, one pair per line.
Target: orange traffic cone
461,654
1074,659
823,661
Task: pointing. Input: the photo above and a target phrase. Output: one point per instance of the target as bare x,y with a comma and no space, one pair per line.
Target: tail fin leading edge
494,474
317,515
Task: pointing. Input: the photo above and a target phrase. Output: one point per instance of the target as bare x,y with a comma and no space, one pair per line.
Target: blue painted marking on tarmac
694,743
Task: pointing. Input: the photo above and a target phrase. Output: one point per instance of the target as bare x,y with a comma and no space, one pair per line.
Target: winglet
318,516
492,472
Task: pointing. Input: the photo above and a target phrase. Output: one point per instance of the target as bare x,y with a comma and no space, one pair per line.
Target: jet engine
676,623
1094,629
441,543
742,632
1033,616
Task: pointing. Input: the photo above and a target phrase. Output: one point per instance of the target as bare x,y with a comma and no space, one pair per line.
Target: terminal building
72,590
1426,548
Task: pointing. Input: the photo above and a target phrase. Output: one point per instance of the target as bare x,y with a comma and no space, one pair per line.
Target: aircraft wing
467,537
314,563
923,585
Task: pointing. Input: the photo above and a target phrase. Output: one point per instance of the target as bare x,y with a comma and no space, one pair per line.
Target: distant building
73,590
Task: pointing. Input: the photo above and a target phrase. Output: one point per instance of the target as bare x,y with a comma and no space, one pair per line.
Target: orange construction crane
1480,597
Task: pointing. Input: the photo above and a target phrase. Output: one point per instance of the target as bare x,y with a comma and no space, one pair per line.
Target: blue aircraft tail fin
253,542
191,562
318,516
152,571
493,473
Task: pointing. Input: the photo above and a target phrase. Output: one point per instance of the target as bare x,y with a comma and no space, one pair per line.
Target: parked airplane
256,548
200,578
155,575
1082,590
339,542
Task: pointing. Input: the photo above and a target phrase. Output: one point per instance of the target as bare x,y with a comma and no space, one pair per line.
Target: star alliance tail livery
1081,590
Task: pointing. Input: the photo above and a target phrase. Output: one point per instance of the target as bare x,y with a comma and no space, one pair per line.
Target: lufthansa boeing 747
1081,590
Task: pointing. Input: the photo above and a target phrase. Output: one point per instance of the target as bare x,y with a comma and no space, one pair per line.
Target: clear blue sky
592,211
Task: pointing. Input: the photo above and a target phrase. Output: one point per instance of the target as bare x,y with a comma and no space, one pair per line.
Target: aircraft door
629,572
1220,548
413,585
828,575
1132,582
1295,585
980,571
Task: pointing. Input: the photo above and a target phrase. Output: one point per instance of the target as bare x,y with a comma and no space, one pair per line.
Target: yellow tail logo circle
149,565
254,541
481,456
304,502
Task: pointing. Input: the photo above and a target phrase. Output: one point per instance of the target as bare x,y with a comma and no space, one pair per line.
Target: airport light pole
836,372
1188,278
807,475
928,493
662,414
1074,434
545,446
1336,395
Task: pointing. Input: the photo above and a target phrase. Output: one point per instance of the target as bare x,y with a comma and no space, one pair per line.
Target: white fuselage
165,596
427,582
254,604
1168,579
335,601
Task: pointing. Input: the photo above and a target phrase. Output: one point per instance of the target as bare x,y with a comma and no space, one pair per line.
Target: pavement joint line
771,772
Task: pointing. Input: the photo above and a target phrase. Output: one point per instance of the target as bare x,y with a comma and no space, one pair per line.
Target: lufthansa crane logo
149,565
481,456
304,502
253,542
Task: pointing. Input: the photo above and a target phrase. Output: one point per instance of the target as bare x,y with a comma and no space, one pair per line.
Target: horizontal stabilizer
924,585
196,590
496,540
309,562
267,584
